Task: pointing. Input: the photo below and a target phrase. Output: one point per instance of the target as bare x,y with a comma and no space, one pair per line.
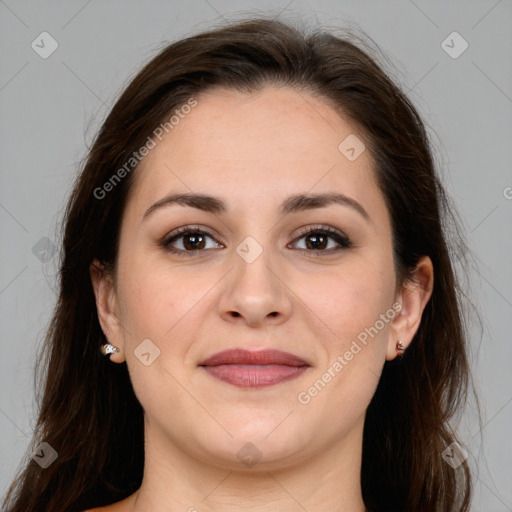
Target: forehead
266,144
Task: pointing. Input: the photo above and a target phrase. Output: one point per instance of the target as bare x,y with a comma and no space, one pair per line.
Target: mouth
246,369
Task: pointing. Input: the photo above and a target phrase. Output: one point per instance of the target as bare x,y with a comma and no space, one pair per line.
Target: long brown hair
88,411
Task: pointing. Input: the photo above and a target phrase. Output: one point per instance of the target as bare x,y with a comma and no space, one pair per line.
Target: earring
108,349
399,347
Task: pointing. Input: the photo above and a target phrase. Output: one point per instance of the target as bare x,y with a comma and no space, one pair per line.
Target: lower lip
255,376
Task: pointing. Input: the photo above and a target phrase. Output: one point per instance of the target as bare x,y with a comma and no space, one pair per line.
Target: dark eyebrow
303,202
296,203
200,201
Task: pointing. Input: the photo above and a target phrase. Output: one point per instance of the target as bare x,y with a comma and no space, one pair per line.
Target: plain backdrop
50,109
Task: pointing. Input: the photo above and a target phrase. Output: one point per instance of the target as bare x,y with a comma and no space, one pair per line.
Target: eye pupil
190,241
319,241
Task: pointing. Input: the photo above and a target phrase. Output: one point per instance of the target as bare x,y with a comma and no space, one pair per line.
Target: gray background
50,109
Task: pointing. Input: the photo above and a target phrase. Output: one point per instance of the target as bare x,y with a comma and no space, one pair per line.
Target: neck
173,480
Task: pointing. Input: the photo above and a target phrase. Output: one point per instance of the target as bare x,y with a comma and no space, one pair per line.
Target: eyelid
184,230
338,236
343,241
318,227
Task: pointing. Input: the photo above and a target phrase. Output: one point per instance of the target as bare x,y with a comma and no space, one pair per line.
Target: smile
248,369
253,376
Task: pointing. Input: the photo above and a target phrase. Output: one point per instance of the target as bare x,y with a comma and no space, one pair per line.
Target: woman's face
251,277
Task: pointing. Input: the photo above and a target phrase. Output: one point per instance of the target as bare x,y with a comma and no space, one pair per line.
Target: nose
255,293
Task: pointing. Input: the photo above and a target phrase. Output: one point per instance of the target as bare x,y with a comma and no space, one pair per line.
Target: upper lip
247,357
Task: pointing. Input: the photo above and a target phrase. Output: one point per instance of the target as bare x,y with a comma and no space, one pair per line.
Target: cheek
148,307
351,299
157,307
154,298
350,302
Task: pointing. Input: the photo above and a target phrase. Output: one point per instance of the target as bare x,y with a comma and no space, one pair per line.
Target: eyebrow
295,203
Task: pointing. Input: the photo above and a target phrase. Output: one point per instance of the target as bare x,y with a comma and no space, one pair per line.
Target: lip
249,369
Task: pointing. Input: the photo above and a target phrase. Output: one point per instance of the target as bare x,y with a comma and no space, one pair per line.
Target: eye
189,240
323,239
317,240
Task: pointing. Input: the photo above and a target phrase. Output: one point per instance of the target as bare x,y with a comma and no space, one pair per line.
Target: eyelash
343,241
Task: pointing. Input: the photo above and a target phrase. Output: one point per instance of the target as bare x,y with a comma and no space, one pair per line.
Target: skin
252,151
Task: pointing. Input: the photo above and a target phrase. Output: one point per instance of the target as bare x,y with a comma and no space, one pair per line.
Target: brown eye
324,240
189,240
193,241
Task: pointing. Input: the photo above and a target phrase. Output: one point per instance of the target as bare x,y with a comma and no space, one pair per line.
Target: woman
257,307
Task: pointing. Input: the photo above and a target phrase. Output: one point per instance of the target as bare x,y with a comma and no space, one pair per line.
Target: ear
107,308
413,297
